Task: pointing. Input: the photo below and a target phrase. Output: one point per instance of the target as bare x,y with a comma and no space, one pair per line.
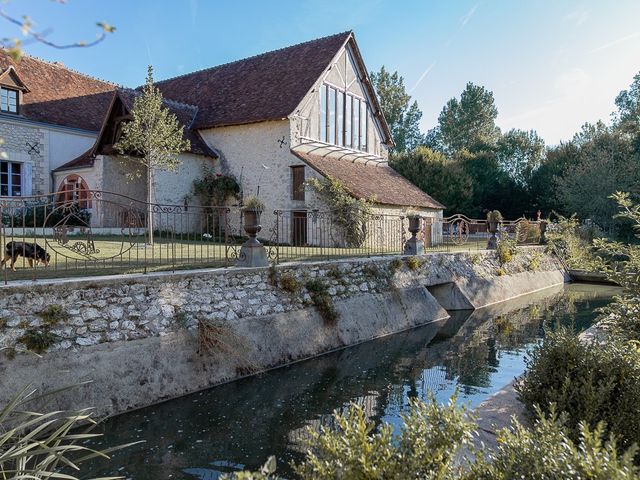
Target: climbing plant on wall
349,213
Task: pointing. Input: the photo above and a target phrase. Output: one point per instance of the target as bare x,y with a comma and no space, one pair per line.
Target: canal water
238,425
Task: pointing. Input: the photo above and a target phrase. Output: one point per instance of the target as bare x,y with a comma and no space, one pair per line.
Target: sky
552,65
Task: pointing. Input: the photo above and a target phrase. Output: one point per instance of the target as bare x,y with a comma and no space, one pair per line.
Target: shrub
414,263
38,340
506,248
319,292
54,314
429,445
371,271
425,446
567,240
395,265
535,261
590,382
289,284
546,452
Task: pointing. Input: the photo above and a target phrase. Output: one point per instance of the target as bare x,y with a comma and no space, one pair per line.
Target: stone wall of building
259,319
54,146
14,148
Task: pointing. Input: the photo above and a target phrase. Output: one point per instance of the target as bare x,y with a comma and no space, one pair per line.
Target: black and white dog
31,251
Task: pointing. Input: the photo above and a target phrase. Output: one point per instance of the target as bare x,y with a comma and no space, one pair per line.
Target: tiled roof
184,113
373,180
59,95
83,161
265,87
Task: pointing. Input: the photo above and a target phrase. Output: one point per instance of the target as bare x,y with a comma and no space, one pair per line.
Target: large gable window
8,100
343,119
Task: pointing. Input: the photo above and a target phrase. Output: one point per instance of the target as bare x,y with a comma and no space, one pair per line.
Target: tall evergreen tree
469,123
402,116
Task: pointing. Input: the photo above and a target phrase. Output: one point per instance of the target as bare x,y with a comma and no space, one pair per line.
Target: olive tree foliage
469,123
153,139
429,445
402,116
622,316
27,33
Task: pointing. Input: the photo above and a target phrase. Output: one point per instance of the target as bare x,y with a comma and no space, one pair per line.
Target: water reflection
239,424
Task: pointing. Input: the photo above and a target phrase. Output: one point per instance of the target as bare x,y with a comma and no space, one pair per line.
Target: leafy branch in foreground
39,446
26,26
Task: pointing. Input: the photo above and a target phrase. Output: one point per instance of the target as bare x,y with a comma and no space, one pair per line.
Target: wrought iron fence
98,233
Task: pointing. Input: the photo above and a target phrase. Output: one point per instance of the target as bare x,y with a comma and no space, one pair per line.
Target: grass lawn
115,254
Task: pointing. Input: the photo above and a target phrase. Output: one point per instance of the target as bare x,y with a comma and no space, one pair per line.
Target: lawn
114,254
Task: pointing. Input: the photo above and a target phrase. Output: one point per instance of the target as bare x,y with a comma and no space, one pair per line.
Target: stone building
273,121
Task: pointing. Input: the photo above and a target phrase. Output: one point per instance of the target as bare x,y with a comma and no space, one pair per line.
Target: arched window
74,189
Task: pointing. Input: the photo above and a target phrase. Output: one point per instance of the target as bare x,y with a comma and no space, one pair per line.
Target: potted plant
252,209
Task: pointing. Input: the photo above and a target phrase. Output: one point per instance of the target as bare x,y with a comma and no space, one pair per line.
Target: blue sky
552,65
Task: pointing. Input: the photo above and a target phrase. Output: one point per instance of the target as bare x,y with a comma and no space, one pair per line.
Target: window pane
4,100
323,113
4,190
340,118
356,124
4,167
347,121
332,115
365,123
13,101
15,168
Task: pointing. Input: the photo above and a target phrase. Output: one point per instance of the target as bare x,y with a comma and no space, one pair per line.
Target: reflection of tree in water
472,361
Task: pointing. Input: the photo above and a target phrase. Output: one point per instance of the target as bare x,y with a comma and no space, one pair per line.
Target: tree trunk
150,196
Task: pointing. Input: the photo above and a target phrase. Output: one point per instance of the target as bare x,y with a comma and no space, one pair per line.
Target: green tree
627,118
402,116
605,164
544,195
153,138
520,153
440,177
469,123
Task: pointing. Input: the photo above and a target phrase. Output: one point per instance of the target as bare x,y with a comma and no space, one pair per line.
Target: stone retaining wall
145,338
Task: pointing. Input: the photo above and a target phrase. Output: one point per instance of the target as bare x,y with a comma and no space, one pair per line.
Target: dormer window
8,100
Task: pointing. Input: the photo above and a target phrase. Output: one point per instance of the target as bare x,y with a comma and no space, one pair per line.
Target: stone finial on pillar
252,252
413,246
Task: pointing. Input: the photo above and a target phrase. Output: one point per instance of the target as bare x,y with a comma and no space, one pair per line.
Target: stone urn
413,246
252,222
252,252
493,224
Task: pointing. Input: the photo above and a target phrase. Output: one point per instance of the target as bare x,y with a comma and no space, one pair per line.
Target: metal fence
99,233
